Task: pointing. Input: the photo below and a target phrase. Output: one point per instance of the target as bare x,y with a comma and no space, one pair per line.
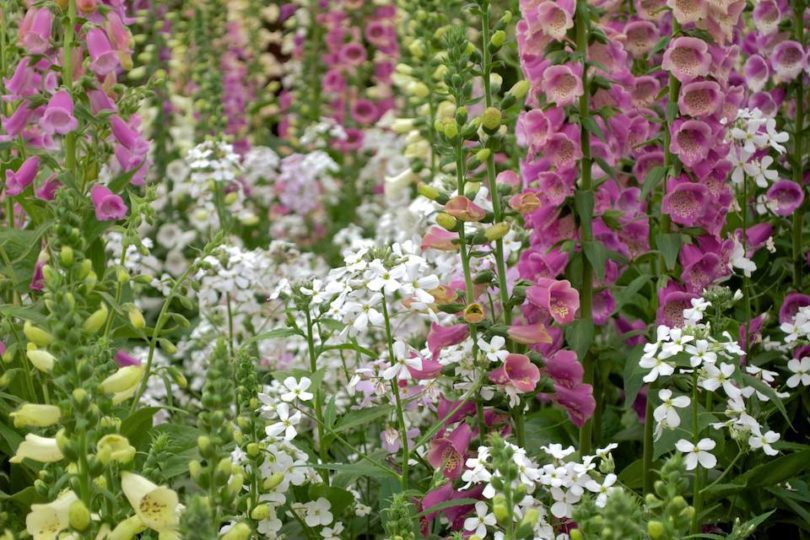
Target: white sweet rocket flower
494,350
317,512
714,377
700,352
481,520
761,173
332,533
759,440
564,501
665,414
297,389
363,313
697,454
604,489
676,343
556,451
776,138
657,367
286,423
739,260
800,370
695,314
402,360
384,279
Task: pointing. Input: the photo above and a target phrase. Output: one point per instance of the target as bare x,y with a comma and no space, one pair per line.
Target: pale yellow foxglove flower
123,380
36,415
42,360
115,448
46,521
127,529
156,506
36,448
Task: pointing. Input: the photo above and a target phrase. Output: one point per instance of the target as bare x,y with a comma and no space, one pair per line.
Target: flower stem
497,210
647,456
585,187
67,81
318,405
403,430
698,481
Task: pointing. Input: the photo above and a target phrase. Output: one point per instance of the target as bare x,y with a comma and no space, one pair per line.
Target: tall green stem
698,481
67,81
586,194
497,210
403,429
318,401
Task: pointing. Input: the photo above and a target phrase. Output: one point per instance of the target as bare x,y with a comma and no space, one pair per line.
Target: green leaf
591,126
597,255
331,413
632,476
361,417
633,375
445,505
579,335
778,470
138,425
669,244
651,181
362,468
276,333
765,389
26,313
624,294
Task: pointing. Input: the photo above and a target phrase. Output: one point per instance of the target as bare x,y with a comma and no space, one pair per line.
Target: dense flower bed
335,269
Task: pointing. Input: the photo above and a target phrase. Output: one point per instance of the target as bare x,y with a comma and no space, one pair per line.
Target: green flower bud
136,318
204,444
500,508
655,529
95,321
491,119
66,256
447,221
483,154
260,513
240,531
418,89
78,515
36,335
272,481
42,360
86,266
450,129
519,89
497,231
498,38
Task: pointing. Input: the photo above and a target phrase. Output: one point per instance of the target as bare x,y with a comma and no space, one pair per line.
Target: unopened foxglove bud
96,320
497,231
272,481
474,313
42,360
66,256
260,513
36,335
240,531
78,515
136,318
491,119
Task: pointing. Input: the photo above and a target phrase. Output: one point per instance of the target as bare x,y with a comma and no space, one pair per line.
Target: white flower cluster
558,485
692,350
750,133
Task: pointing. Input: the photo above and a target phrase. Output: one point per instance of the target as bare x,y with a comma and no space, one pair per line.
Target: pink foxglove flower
564,368
700,98
756,72
104,59
108,205
441,239
551,18
562,84
578,402
640,37
688,11
464,209
17,181
785,197
529,334
767,16
449,452
58,116
788,60
685,202
687,58
691,141
555,297
35,30
518,372
440,337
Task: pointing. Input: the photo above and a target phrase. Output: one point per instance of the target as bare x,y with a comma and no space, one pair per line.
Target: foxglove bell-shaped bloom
464,209
550,18
791,305
578,402
767,16
108,205
39,449
785,197
691,141
564,368
156,506
23,82
562,84
35,30
688,11
103,58
518,372
756,72
441,239
687,58
46,521
15,124
440,337
529,334
449,452
556,297
686,202
17,181
640,37
58,116
788,60
700,98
